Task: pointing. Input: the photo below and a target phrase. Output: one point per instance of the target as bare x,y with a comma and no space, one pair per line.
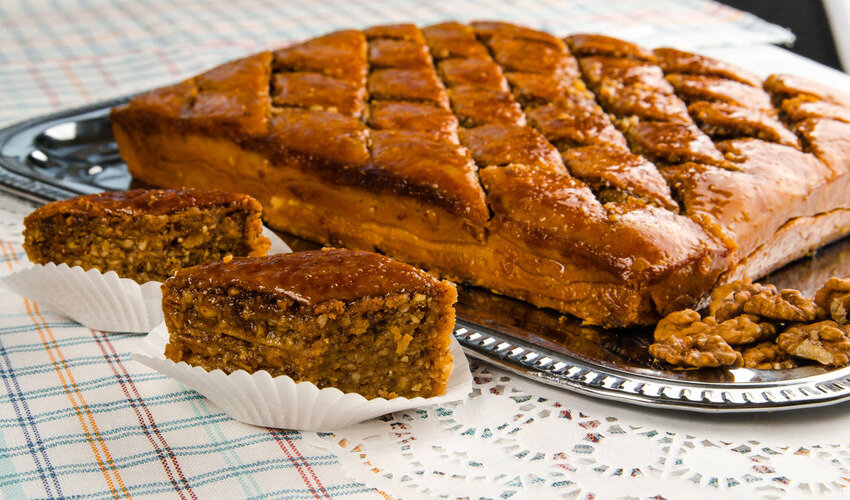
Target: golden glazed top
138,202
314,277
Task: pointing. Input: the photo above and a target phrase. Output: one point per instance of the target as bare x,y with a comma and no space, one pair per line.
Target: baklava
585,174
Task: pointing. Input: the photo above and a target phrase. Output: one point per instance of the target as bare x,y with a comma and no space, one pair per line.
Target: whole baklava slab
585,174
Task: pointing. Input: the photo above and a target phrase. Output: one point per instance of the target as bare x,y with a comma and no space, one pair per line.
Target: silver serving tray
73,152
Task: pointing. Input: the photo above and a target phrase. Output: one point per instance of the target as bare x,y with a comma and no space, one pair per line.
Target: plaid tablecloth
60,53
77,416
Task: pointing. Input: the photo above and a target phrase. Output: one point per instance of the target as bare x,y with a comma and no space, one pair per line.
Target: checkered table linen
78,417
60,53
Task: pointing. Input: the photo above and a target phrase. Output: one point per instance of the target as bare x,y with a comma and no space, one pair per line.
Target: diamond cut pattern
618,114
523,86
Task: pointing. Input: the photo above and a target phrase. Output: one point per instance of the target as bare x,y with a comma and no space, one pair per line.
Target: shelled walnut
788,305
683,339
825,342
767,356
765,328
834,299
766,302
721,293
745,329
684,322
732,304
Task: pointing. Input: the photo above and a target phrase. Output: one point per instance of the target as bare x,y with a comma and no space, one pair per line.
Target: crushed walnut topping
825,342
684,339
834,299
767,356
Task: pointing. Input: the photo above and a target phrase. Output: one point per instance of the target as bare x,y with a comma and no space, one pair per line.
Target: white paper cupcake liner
278,245
100,301
266,401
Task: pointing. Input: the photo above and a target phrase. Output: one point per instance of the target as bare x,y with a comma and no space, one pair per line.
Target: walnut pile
759,327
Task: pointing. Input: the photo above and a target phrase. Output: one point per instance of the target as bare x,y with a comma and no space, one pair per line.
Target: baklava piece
357,321
145,235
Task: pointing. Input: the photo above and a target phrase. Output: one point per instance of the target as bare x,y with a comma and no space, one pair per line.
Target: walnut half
767,356
721,293
744,329
825,342
684,322
788,305
744,297
834,299
683,339
729,300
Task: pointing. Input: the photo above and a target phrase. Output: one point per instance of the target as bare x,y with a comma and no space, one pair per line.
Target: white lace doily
515,438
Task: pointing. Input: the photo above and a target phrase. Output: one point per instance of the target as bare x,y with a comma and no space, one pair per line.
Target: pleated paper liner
280,402
97,300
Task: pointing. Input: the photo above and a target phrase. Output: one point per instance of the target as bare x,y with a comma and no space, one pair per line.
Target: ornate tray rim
568,372
42,189
520,356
